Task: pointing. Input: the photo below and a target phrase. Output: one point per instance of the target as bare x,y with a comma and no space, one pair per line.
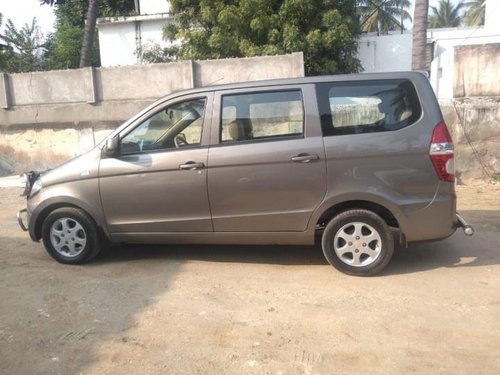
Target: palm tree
474,15
445,15
419,55
383,15
88,35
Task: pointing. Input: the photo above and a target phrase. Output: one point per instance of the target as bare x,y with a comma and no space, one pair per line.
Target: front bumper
21,215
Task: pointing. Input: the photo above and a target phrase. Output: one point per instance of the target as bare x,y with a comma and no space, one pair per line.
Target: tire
70,236
358,242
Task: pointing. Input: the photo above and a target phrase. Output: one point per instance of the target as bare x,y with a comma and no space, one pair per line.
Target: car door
158,181
267,170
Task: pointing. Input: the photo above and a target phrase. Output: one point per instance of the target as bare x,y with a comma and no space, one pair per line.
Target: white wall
117,44
152,32
492,15
393,52
385,53
119,39
154,6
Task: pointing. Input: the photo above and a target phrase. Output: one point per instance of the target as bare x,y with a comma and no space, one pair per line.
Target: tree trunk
419,51
88,36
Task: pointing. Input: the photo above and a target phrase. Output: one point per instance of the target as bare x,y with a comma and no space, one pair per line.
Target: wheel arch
39,215
333,210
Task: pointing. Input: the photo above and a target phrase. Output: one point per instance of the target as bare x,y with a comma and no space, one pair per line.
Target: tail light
442,154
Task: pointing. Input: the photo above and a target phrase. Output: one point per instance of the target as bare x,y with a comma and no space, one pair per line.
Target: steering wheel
180,140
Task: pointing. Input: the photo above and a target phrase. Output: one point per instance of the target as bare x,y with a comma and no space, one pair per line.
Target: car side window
176,126
262,116
367,106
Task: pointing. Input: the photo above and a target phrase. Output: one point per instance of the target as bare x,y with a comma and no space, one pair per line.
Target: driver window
176,126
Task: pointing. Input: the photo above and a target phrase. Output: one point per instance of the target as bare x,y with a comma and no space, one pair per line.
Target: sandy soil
253,310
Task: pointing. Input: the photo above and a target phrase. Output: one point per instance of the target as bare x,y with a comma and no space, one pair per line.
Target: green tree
446,14
383,16
66,42
475,13
419,50
24,50
325,31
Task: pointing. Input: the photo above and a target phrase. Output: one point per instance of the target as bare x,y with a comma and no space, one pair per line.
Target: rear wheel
358,242
70,236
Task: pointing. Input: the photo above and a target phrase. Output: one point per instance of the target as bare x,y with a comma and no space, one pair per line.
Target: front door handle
304,158
191,166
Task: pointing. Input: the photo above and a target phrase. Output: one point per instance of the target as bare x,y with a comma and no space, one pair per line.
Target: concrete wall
209,72
477,71
64,86
443,65
475,127
146,81
49,117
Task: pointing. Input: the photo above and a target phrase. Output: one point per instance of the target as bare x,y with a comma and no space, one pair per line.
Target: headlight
37,186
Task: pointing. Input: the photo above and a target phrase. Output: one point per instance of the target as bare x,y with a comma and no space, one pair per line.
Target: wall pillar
5,95
91,86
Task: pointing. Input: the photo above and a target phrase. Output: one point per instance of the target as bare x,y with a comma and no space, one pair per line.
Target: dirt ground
253,310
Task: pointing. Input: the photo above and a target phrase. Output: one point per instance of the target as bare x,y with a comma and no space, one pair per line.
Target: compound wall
49,117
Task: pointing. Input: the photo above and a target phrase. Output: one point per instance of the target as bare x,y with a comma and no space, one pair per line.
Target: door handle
191,166
304,158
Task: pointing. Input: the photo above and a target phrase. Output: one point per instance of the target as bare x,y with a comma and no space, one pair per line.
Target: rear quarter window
367,106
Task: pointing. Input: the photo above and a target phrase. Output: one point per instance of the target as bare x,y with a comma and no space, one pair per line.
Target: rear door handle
304,158
191,166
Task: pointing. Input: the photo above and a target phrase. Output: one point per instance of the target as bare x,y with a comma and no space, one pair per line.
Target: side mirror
112,146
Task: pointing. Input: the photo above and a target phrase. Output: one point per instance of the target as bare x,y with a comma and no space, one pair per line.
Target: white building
393,52
120,38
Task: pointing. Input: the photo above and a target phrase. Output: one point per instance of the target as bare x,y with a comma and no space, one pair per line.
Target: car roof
300,80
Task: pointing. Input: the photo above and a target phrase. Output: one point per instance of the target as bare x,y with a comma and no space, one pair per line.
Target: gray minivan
353,161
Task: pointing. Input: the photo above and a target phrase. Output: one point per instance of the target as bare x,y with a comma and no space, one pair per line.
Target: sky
23,11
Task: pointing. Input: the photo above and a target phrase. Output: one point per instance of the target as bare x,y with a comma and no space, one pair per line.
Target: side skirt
219,238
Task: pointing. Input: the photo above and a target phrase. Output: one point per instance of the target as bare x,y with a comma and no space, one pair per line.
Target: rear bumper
461,223
437,221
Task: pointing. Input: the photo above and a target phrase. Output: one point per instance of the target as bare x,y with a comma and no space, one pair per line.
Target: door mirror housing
112,146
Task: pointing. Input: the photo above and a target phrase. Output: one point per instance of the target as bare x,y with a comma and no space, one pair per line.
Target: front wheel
70,236
358,242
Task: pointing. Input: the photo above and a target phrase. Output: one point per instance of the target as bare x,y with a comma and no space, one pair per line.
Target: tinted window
261,116
367,106
175,126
